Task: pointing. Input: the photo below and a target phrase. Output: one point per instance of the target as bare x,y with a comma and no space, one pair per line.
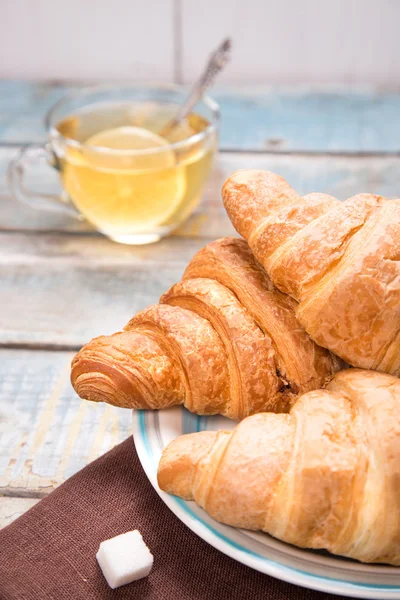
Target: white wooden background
275,41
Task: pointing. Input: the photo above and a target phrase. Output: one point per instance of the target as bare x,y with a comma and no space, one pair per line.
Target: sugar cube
124,558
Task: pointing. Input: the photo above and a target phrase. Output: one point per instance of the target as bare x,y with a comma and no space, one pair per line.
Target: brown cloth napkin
49,552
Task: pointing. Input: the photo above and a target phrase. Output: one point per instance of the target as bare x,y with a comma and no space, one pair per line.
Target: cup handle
28,157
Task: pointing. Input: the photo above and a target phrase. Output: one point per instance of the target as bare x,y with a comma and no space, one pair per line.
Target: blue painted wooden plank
252,120
341,176
311,121
46,432
81,286
23,105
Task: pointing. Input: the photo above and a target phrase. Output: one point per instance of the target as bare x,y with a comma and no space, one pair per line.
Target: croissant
325,476
223,340
339,260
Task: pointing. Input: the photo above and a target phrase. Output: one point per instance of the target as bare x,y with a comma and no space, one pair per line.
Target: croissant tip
240,176
176,468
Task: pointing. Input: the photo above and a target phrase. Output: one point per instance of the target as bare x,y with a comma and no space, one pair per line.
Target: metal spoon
216,63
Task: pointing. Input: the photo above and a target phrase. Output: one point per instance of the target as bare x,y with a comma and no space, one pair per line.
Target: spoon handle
216,63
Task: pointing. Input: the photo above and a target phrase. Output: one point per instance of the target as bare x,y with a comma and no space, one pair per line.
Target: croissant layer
339,260
325,476
223,340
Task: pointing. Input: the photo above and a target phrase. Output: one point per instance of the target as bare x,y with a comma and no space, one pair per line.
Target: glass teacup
120,172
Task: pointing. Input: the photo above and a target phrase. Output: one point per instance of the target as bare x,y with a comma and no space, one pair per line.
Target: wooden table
61,283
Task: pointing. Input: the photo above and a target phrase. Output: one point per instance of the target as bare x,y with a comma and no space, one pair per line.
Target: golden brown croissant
340,260
223,340
327,475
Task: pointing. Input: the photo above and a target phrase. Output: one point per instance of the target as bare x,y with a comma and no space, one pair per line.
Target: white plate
153,430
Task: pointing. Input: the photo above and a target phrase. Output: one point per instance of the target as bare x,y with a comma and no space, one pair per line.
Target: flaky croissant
327,475
223,340
339,260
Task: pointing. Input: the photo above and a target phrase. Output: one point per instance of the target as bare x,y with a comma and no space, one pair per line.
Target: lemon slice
126,138
131,147
130,179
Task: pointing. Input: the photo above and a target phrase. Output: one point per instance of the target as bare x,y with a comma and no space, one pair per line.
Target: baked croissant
327,475
223,340
339,260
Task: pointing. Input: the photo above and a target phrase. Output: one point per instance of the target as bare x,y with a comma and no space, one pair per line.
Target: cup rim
182,144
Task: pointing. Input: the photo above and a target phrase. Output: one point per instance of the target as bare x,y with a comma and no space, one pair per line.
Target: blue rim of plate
209,530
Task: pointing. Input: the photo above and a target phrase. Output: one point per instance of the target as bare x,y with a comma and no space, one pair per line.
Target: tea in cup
120,172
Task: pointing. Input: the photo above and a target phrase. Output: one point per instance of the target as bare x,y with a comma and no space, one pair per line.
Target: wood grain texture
13,507
341,176
286,41
297,119
47,432
62,289
123,39
62,284
338,41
